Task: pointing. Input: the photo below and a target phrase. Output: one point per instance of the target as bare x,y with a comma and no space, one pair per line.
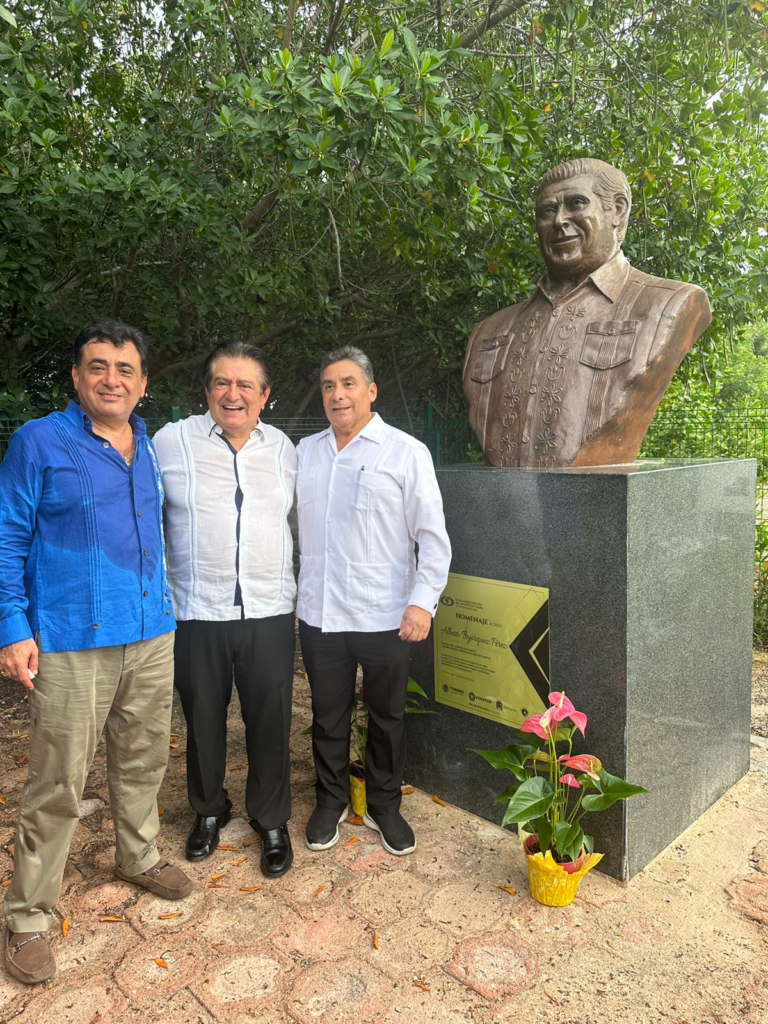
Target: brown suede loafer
163,880
28,957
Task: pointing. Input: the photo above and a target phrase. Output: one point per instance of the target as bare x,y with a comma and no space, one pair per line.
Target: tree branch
189,364
491,21
251,221
290,17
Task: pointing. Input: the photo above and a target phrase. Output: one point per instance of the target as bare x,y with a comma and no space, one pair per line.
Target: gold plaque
492,648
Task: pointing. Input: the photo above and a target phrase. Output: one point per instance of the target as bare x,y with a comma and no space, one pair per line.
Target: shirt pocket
376,493
489,358
609,343
305,485
369,587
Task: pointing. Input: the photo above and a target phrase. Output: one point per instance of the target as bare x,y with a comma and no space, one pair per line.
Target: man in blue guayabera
86,626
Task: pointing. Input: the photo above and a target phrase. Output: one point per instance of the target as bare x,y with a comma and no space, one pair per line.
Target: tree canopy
337,171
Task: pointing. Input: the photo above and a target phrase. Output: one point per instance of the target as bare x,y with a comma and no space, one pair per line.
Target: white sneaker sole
370,823
335,839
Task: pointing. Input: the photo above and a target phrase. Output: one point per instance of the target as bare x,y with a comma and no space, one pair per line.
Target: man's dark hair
114,332
237,350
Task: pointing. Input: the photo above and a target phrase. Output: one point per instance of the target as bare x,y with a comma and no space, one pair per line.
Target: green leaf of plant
6,15
511,758
532,799
386,43
410,44
413,687
568,839
611,788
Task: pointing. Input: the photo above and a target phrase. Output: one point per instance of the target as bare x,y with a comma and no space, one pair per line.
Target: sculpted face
576,234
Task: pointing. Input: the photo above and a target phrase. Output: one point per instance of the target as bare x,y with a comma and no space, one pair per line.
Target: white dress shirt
361,510
206,559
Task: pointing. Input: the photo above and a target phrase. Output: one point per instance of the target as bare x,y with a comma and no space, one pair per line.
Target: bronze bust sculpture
573,375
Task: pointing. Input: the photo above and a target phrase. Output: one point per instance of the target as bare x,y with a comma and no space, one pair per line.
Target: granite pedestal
649,568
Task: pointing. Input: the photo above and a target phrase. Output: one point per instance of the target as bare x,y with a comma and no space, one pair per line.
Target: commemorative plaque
492,648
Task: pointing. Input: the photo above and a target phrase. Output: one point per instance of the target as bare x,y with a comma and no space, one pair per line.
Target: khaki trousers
128,688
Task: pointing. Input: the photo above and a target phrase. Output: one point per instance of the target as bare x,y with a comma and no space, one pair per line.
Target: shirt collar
372,431
610,278
78,418
211,425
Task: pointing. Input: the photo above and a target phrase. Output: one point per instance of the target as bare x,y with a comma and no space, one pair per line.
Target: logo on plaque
492,648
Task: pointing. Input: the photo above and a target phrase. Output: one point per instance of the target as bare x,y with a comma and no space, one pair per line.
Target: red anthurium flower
534,724
583,763
570,780
561,709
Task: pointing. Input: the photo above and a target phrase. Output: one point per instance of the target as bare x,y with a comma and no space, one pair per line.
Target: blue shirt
81,538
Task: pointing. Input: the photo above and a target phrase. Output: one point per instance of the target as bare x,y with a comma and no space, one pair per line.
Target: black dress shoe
203,837
276,850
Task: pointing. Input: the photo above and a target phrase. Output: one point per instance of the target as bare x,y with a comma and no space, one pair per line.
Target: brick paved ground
356,935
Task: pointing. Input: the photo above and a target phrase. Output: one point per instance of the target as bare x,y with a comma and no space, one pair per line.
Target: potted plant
550,796
359,738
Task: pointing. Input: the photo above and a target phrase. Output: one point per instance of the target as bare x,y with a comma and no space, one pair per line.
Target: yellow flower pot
357,795
549,883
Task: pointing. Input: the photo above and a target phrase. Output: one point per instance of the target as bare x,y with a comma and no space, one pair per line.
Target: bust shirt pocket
609,343
489,358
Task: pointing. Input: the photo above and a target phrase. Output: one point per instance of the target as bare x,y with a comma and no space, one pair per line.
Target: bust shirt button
532,391
525,440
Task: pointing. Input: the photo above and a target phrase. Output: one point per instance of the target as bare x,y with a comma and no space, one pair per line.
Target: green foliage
344,173
746,377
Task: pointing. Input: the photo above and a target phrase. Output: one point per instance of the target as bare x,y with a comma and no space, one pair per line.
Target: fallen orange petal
437,800
406,790
218,875
355,820
175,755
238,862
375,941
65,927
349,842
507,888
250,888
95,1018
160,810
174,744
2,800
419,983
21,760
223,846
112,917
215,885
167,917
161,963
317,891
5,883
250,842
236,767
177,785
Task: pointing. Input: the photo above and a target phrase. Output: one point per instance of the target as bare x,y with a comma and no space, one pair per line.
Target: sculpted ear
621,204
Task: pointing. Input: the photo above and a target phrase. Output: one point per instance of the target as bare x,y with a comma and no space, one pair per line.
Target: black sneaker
396,834
323,827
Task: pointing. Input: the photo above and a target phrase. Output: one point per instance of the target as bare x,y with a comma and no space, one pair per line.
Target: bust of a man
573,375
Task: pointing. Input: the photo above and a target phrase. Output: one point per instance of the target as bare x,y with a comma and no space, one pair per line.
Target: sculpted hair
355,355
238,350
608,181
116,333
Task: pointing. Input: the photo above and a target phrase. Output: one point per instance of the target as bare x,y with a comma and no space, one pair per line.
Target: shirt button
328,551
106,444
167,611
95,625
555,312
139,514
146,552
146,593
532,391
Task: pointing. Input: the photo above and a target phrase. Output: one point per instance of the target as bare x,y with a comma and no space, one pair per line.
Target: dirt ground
355,936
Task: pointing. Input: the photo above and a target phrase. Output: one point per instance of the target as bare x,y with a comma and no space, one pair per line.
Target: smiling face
236,395
108,381
576,234
346,397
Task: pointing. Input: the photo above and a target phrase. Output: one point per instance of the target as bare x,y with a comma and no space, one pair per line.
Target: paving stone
407,949
146,983
181,1008
238,920
329,934
311,884
90,944
494,965
240,986
235,832
388,896
368,857
352,993
759,857
146,915
471,908
86,902
750,897
88,807
74,1002
445,1002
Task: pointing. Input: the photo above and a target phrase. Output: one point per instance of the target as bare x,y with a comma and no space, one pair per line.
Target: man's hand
18,660
415,623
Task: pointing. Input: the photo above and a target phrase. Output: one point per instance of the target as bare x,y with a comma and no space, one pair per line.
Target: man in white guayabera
367,494
229,480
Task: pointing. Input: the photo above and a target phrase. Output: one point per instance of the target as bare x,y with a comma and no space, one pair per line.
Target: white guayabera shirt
230,554
361,510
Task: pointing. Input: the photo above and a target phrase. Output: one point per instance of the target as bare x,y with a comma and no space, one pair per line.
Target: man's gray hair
609,181
354,355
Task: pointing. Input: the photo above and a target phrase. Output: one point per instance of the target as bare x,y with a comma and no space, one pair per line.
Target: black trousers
259,653
331,660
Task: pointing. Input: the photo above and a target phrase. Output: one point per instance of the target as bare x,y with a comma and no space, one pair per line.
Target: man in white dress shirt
367,494
229,484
